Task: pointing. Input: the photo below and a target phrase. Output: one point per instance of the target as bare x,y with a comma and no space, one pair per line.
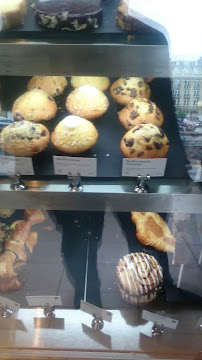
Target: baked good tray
109,31
107,149
59,266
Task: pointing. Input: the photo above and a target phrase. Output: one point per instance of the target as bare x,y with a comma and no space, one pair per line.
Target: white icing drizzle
88,89
137,275
143,270
128,280
158,271
147,260
122,280
131,274
72,121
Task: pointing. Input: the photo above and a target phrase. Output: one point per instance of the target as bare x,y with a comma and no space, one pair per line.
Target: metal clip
141,187
16,183
75,185
5,312
157,330
97,323
49,310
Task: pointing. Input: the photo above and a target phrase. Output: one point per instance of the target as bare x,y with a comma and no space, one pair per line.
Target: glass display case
100,186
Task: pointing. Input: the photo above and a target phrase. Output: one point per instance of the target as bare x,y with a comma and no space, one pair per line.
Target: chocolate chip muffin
100,82
52,85
140,111
124,90
35,105
87,101
74,135
69,15
139,276
145,141
24,138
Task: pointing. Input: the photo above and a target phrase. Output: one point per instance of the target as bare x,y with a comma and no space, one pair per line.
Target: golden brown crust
125,90
52,85
152,230
145,141
34,105
24,138
87,101
17,250
140,111
13,16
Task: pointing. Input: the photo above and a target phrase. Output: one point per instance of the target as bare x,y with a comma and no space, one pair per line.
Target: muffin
140,111
24,138
124,90
145,141
101,83
88,102
139,276
12,13
52,85
6,213
74,135
35,105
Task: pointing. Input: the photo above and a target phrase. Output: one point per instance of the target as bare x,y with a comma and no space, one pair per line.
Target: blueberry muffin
87,101
145,141
139,276
140,111
124,90
101,83
35,105
74,135
52,85
6,213
24,138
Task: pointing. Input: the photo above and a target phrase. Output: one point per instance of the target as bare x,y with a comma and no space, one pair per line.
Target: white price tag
143,167
10,165
74,166
159,320
43,300
12,305
95,311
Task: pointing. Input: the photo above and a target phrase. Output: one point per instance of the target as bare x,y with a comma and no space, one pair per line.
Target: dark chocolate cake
72,15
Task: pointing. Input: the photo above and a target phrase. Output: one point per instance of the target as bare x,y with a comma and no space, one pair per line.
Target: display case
100,186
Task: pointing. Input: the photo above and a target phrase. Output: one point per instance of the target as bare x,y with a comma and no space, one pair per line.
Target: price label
143,167
43,300
10,165
74,166
12,305
159,320
95,311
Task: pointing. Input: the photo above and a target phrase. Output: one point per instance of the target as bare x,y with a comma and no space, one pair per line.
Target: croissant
152,230
17,251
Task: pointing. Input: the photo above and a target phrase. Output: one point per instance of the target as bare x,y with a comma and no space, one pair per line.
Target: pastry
148,79
138,111
129,23
124,90
139,276
145,141
6,213
24,138
52,85
17,251
152,230
12,13
87,101
101,83
69,14
74,135
34,105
